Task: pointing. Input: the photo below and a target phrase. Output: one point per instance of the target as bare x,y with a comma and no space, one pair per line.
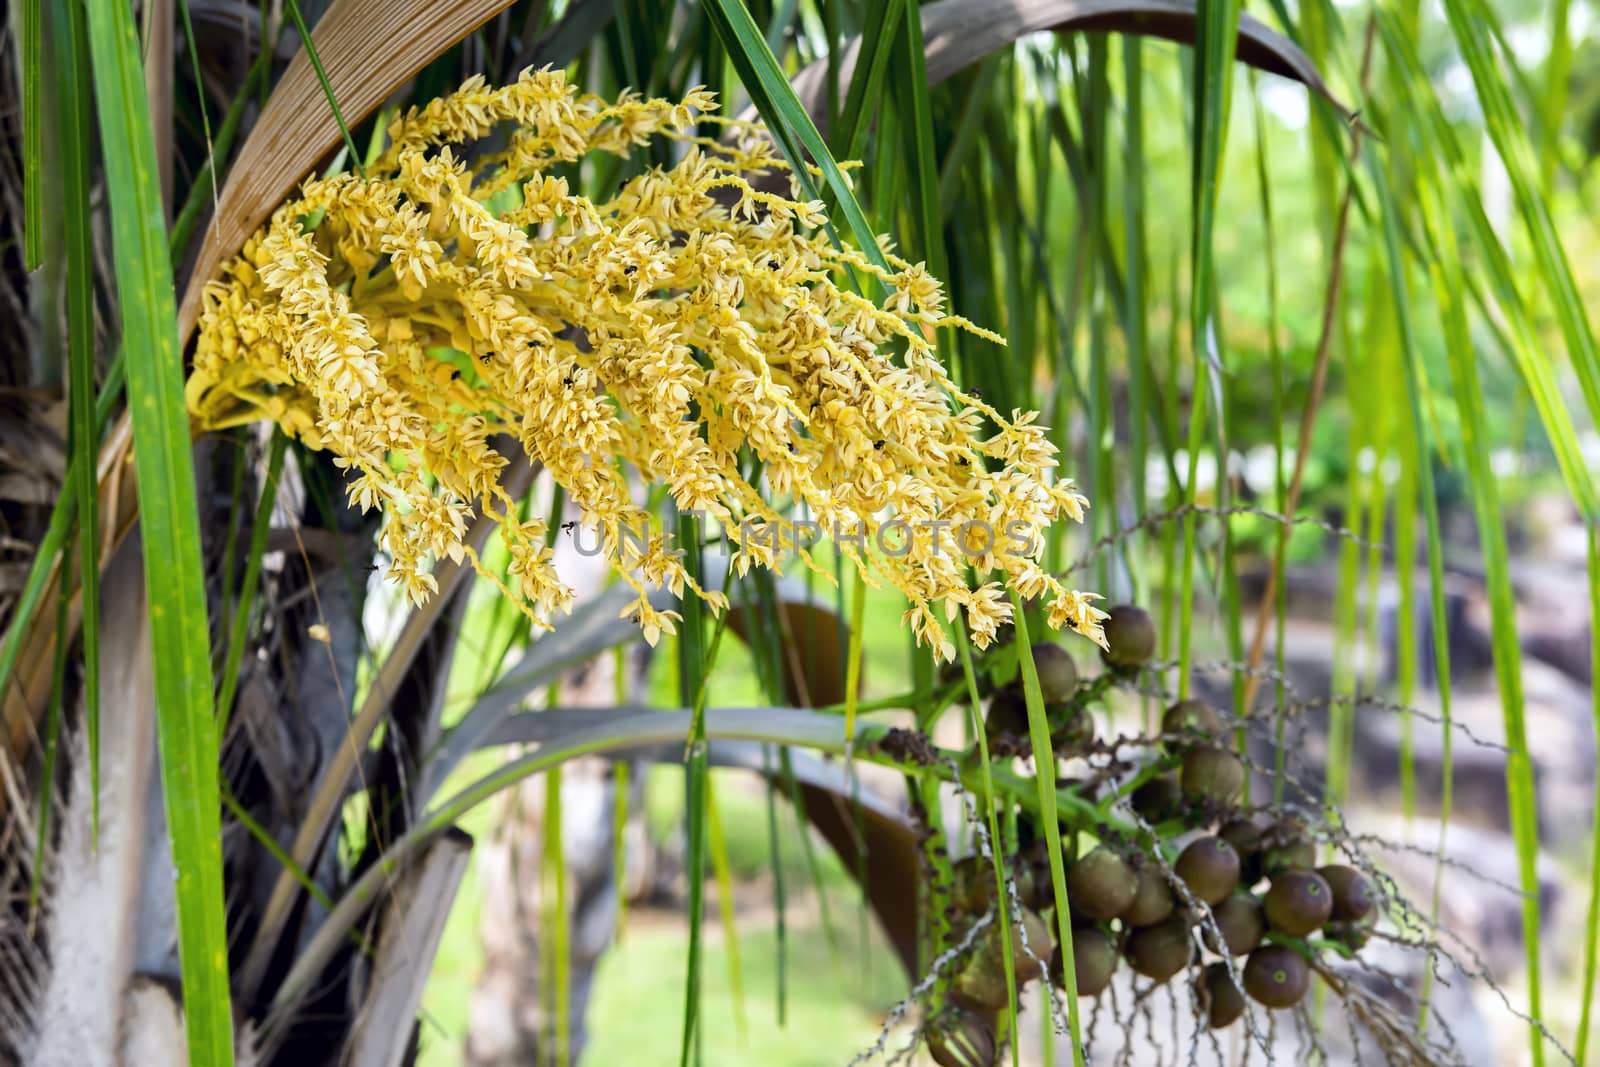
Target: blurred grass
833,1009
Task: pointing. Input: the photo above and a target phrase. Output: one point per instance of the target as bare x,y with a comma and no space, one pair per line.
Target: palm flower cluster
693,332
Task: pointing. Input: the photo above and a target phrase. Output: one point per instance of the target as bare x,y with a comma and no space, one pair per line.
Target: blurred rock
1554,629
1560,738
1479,898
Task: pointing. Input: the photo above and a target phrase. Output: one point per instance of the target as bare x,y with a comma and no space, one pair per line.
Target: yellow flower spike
662,337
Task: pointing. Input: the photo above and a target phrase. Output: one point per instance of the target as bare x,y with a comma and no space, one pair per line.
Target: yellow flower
689,332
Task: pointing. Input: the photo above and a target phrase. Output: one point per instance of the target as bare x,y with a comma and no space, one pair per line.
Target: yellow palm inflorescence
691,329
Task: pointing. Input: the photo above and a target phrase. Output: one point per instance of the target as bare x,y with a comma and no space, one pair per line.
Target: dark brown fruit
1008,715
1298,902
1222,1000
981,982
1276,976
1152,898
973,888
1159,799
1031,892
1245,835
1058,675
1353,897
1094,960
1209,867
962,1038
1101,884
1032,871
1193,719
1287,845
1071,729
1212,774
1241,922
1029,962
1130,637
1162,950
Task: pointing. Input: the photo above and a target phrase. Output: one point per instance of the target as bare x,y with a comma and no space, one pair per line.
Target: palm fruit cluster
1194,887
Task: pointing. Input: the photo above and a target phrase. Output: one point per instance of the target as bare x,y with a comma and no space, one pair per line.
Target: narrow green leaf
1537,374
693,672
65,510
50,545
32,130
852,676
1044,756
552,882
1422,461
75,126
1361,438
52,735
1591,942
1558,68
557,921
1468,18
1502,603
622,54
620,775
911,92
1216,29
199,83
327,89
202,189
787,118
1461,189
779,893
1405,566
276,850
1093,102
722,870
878,38
239,626
697,776
1002,899
1280,488
1136,266
965,136
170,529
832,39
